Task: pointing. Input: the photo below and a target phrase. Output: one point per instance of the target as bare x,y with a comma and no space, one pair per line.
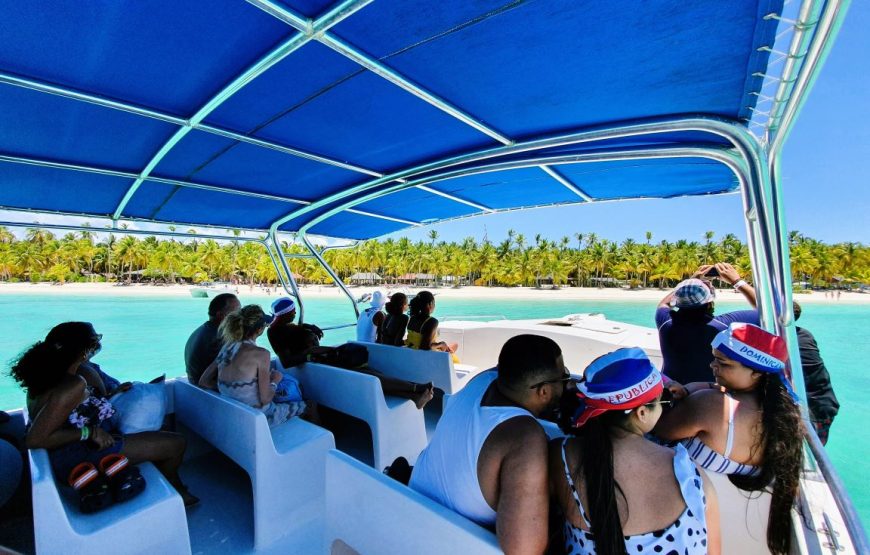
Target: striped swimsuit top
710,460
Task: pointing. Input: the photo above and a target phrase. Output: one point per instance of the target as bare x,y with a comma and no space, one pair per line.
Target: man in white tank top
488,458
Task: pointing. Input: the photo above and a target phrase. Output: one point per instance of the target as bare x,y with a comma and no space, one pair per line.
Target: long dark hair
42,367
782,432
596,467
419,303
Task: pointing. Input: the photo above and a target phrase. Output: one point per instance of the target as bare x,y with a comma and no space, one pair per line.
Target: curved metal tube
720,155
300,307
330,271
738,135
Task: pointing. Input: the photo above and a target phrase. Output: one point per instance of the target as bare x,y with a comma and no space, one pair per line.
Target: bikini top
687,534
713,461
246,391
415,338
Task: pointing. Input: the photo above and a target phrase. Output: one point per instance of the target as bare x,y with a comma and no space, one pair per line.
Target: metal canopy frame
755,161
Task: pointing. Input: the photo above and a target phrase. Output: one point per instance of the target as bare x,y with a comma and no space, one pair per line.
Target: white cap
378,299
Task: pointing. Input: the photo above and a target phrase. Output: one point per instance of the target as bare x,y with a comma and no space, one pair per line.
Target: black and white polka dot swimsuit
686,536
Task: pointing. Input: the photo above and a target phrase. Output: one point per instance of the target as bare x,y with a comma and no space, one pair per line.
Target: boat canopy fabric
241,114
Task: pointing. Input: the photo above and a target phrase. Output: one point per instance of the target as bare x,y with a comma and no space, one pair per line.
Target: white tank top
446,470
365,326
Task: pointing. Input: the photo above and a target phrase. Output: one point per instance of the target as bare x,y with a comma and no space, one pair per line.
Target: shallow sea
144,337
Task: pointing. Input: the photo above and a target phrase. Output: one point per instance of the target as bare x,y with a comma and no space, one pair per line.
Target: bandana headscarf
621,380
755,348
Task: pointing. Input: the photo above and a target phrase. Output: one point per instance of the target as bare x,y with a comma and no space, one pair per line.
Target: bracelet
308,358
86,433
274,386
738,284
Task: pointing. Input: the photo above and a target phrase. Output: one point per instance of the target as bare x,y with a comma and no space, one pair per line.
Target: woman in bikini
423,328
71,420
746,425
620,493
243,371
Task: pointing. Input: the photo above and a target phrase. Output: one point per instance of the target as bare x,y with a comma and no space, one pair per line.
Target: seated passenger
747,424
72,422
371,320
488,458
618,492
423,328
284,313
821,400
297,345
687,324
396,321
204,343
242,370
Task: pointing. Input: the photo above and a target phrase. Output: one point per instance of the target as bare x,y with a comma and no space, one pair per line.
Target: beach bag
349,355
288,391
139,409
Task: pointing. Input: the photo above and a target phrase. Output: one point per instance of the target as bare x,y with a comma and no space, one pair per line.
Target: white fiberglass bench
373,513
420,366
743,516
59,526
286,463
398,426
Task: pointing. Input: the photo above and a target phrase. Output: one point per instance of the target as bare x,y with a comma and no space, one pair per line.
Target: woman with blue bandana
620,493
747,424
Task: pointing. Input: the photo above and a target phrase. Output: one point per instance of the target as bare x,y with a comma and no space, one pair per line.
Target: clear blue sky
825,173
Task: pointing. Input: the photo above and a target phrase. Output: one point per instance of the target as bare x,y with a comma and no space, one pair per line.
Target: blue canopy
266,113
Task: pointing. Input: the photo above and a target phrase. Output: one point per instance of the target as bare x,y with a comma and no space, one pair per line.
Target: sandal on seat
125,480
93,491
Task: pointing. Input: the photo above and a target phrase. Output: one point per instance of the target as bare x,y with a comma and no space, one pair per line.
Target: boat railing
473,317
338,326
854,527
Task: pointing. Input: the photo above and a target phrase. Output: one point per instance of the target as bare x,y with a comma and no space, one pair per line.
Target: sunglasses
567,377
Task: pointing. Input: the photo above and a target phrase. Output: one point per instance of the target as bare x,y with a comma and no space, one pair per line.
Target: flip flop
125,480
94,493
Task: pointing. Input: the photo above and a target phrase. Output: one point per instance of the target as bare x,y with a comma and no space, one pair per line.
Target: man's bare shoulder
518,433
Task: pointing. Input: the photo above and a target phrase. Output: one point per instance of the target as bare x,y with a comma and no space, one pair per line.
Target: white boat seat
398,427
743,517
372,513
286,463
59,526
420,366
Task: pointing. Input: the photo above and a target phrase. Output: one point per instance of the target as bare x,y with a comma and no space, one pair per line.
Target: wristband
274,386
308,358
738,284
86,433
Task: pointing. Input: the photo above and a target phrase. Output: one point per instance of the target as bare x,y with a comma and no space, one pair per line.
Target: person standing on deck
371,320
204,343
821,400
687,323
488,458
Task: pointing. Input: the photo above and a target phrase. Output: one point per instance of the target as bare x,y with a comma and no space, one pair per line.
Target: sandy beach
469,292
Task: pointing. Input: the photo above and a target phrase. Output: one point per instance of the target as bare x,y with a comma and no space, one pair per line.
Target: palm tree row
583,260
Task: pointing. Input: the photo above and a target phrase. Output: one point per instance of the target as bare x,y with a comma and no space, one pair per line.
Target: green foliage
582,259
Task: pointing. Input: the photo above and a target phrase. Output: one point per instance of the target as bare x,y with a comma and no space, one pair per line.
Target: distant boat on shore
205,290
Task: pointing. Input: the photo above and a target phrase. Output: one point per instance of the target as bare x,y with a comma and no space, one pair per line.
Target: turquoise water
144,337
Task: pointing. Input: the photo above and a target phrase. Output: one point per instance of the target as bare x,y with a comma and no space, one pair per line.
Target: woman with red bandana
747,424
619,492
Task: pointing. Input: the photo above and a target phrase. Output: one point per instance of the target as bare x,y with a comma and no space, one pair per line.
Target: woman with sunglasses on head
618,492
70,415
243,371
747,424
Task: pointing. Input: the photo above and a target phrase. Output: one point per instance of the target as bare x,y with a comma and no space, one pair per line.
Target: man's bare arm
523,503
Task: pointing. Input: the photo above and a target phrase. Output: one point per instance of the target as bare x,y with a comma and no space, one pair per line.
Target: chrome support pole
278,270
738,135
121,231
294,292
330,271
720,155
333,17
